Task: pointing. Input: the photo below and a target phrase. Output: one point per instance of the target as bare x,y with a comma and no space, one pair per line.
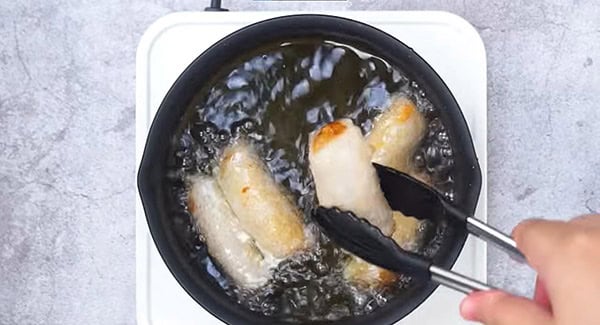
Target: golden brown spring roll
366,275
231,247
396,134
260,204
407,233
394,138
340,163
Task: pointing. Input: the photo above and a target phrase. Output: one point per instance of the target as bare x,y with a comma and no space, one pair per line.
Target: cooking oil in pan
276,97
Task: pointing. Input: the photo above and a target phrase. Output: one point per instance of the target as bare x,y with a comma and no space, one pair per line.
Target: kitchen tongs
416,199
367,242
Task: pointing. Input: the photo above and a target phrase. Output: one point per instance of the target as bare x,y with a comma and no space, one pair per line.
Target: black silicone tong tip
366,241
409,195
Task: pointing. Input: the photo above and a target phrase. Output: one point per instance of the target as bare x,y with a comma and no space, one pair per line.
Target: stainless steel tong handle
486,232
489,234
496,237
457,281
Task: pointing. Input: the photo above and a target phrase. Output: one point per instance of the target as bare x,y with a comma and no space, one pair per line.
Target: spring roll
231,247
365,275
407,234
260,204
396,134
340,163
394,138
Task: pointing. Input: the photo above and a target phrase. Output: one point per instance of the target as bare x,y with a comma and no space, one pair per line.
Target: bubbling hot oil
275,97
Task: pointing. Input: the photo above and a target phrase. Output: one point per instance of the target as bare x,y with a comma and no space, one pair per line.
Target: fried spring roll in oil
231,247
260,204
394,138
340,163
396,134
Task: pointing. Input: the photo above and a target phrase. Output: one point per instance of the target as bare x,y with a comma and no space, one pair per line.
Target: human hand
566,256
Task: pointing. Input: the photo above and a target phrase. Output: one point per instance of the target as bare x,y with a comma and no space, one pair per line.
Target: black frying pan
152,182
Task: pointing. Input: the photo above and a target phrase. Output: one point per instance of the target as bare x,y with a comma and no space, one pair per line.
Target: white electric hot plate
447,42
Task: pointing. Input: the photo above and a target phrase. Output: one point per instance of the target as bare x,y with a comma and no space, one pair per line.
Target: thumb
500,308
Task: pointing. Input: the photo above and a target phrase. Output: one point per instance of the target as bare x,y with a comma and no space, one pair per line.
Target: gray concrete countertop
67,73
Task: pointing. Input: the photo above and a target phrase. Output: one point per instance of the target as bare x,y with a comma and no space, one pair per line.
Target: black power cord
215,5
